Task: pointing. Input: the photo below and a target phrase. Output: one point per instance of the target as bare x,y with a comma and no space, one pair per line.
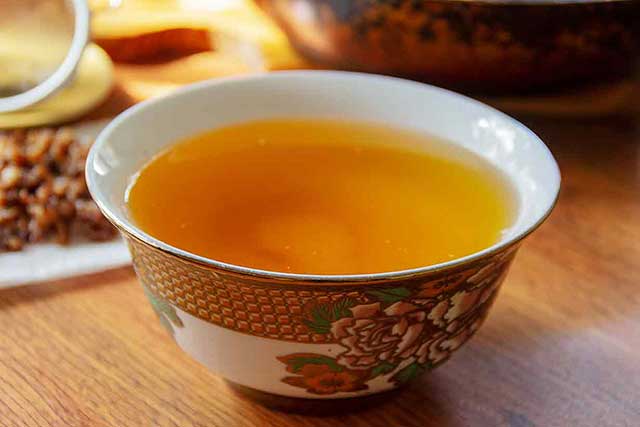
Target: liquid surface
322,197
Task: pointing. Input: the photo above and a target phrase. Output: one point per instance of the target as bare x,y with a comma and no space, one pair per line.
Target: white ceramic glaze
135,136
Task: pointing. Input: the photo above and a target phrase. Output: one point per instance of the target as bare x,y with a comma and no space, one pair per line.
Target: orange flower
329,382
320,374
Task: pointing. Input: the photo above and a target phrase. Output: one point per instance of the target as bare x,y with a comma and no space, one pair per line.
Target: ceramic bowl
317,336
491,46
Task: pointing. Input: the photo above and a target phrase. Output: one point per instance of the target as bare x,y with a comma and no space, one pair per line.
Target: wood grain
561,347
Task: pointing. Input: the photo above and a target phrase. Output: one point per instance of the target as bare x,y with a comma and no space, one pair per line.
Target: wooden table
561,347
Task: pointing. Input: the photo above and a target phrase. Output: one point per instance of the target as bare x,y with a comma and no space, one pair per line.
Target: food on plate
167,43
90,85
142,30
43,194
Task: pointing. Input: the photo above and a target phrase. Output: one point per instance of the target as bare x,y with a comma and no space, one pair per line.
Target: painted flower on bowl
458,318
322,375
396,332
374,335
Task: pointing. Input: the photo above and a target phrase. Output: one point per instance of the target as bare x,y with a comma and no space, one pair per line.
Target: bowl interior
135,136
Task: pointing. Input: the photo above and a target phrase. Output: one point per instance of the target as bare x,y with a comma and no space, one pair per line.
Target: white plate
40,262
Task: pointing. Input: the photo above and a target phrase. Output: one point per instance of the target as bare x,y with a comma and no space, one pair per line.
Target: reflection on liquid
499,139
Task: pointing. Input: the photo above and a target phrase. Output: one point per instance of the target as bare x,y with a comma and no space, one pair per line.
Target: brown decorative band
285,310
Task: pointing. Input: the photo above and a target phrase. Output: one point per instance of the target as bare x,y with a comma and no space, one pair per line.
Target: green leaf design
408,373
165,311
381,369
322,315
342,308
297,363
389,296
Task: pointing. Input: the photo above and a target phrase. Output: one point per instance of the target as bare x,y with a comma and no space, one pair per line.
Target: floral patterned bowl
320,336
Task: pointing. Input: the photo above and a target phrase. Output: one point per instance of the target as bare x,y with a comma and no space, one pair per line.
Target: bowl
315,336
484,46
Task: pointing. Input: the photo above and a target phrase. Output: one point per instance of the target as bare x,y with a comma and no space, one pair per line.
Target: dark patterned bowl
481,45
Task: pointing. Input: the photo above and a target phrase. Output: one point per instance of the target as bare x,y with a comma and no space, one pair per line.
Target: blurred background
559,58
34,39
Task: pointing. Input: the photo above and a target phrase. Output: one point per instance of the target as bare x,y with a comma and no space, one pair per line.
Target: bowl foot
315,407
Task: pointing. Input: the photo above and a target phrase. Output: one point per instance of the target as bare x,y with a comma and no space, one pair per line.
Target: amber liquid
322,197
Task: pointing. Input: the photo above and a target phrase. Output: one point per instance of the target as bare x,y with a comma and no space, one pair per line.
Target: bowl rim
128,228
